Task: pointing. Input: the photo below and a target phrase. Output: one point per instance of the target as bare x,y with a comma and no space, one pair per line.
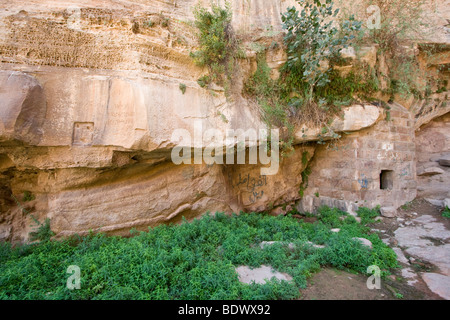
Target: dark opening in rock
386,179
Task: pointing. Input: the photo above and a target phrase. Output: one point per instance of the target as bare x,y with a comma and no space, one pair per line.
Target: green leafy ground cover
193,260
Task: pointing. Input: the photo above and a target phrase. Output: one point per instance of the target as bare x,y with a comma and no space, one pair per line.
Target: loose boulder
388,212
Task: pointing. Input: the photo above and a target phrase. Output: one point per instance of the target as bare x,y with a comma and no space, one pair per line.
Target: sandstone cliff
90,96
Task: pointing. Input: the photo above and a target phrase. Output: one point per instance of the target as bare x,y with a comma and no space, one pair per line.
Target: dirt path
421,238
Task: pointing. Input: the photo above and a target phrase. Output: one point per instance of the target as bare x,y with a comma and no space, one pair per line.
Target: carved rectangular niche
387,180
83,134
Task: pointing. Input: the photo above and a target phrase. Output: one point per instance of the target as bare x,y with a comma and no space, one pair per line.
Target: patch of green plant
441,85
331,217
193,260
222,116
400,22
5,251
218,46
305,180
388,116
42,231
273,106
343,90
204,81
381,255
183,88
28,196
257,47
305,155
446,213
165,22
405,74
149,24
262,86
399,295
407,205
368,215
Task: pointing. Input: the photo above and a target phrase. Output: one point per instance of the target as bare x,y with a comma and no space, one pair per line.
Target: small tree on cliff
312,40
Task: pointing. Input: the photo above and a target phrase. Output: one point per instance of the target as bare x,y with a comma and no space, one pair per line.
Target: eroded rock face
22,108
94,150
433,145
90,98
260,193
91,108
354,118
153,195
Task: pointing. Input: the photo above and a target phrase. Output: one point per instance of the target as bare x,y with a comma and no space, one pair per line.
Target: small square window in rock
386,179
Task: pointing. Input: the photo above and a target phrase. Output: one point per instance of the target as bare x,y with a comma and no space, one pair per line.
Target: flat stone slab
318,246
425,219
438,283
291,246
425,239
400,255
420,234
437,255
408,273
260,275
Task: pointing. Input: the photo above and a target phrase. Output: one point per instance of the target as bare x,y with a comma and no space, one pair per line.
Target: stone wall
375,166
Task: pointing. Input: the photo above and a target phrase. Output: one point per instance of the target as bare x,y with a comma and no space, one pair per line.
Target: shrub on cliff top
218,46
